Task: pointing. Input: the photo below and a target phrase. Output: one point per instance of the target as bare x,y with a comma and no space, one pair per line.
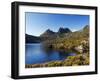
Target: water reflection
35,54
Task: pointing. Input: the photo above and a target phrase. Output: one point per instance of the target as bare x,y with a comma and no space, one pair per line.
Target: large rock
79,48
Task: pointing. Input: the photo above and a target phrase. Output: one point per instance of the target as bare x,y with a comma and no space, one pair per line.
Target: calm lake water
35,54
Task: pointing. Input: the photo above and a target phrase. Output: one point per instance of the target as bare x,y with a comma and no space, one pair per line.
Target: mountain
84,32
32,39
86,28
48,34
64,30
72,41
63,33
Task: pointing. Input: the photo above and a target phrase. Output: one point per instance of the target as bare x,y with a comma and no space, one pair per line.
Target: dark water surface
35,54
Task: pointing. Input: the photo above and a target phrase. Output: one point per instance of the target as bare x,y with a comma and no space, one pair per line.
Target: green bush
55,63
77,60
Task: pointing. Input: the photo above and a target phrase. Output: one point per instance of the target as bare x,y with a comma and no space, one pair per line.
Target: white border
53,70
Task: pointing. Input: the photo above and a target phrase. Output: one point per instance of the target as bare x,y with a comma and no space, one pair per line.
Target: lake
36,54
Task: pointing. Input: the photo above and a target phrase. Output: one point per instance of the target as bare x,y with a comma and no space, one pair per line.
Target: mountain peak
64,30
49,31
87,26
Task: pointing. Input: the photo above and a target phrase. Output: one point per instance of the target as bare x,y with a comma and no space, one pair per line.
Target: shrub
55,63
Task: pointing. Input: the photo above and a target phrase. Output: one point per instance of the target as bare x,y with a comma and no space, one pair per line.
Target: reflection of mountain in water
36,54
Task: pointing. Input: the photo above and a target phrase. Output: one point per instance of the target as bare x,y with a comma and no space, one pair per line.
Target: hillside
48,34
72,41
32,39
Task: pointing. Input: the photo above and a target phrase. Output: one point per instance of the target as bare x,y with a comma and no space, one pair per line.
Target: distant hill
32,39
84,32
86,28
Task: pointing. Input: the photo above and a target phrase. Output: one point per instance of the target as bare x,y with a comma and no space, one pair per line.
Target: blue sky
37,23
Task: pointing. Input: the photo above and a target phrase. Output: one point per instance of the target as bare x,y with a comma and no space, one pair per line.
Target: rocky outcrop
79,49
47,33
64,30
